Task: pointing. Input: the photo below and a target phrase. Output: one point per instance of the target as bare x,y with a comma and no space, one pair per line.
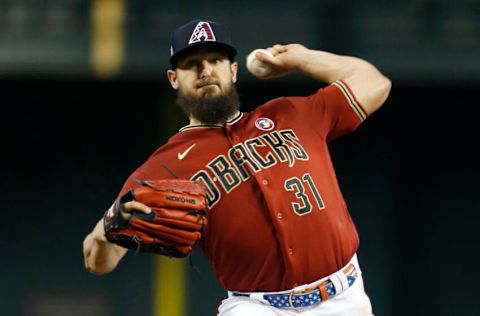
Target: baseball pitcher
256,191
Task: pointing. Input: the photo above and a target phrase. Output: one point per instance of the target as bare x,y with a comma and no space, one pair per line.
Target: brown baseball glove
172,228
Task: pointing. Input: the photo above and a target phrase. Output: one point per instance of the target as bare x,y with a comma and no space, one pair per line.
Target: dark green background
409,174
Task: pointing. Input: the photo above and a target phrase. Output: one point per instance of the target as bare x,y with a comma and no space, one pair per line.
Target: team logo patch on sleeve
202,33
264,124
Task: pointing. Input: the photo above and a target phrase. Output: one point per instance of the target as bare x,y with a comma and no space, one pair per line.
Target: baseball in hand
257,67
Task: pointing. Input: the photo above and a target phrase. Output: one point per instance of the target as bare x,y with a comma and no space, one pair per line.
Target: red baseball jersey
276,218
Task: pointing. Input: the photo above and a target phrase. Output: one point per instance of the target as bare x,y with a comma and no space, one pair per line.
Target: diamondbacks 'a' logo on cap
203,32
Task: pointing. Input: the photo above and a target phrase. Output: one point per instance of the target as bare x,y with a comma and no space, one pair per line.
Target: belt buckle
292,301
322,288
306,291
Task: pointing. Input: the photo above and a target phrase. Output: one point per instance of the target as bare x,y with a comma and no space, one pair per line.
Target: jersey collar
232,121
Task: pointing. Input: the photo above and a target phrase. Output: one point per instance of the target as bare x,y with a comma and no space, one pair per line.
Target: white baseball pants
352,302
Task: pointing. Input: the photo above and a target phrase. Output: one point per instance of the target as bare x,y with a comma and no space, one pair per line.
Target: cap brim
230,50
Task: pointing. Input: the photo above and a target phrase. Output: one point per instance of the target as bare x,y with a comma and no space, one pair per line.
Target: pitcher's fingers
280,48
272,51
136,206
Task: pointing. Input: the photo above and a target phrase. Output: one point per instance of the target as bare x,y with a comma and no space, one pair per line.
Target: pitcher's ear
172,77
234,71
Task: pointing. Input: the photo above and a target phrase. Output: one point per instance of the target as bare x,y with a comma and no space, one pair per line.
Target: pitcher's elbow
387,86
384,88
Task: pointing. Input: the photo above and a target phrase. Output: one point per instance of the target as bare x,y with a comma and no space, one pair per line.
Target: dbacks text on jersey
255,154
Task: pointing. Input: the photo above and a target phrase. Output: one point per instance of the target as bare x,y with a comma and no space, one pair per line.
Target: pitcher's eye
191,64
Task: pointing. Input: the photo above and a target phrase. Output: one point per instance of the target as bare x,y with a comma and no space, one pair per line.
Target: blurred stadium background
84,100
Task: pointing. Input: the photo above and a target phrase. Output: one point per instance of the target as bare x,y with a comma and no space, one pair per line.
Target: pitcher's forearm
329,67
368,84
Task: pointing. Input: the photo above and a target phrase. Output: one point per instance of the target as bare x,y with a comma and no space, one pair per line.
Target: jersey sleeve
150,170
131,182
333,111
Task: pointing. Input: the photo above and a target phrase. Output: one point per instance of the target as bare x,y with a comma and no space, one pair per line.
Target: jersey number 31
303,206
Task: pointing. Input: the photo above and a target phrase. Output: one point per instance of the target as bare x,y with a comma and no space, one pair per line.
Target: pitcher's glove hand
172,228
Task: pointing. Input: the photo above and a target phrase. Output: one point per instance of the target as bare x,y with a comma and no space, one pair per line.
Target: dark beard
210,110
